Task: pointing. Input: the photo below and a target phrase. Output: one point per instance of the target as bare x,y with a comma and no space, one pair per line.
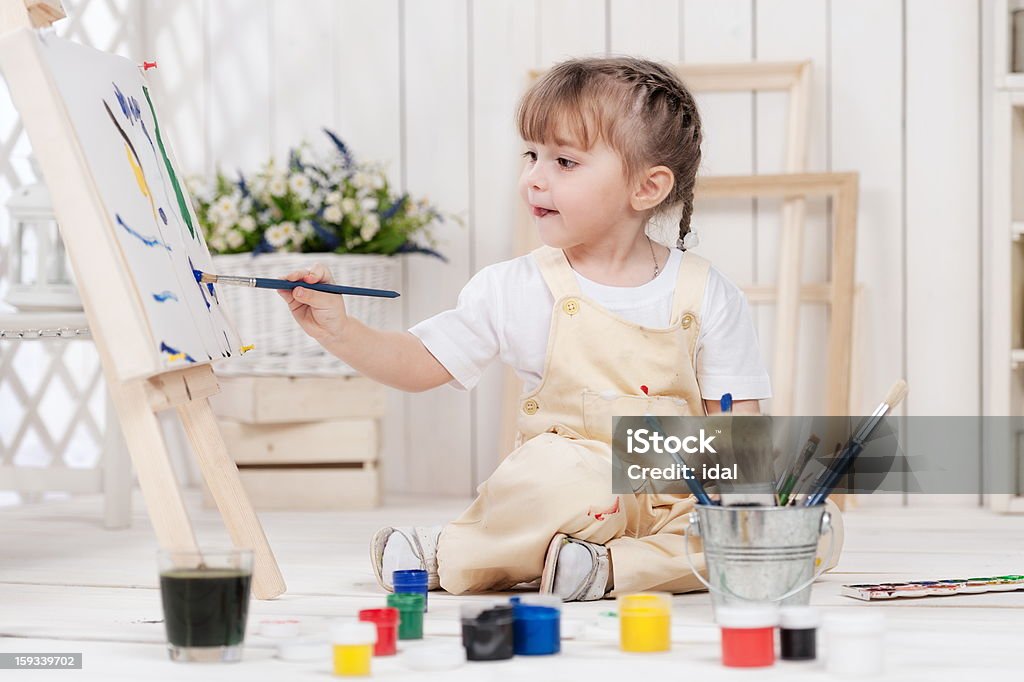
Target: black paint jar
488,631
798,633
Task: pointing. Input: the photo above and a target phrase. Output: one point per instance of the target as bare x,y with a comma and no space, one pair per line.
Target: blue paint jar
413,580
537,625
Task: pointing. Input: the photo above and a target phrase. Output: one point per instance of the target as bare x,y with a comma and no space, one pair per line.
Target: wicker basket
263,319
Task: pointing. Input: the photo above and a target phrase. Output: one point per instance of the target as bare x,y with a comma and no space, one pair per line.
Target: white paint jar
855,643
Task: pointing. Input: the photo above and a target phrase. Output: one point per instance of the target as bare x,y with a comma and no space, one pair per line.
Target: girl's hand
321,315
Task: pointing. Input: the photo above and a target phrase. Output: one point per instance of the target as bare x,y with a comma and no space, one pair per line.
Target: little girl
586,320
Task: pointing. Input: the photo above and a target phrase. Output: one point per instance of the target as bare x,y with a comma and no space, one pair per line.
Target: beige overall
558,479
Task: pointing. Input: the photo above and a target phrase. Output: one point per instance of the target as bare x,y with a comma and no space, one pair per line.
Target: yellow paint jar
352,648
645,622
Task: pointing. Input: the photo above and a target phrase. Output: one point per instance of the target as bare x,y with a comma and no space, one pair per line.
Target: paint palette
934,588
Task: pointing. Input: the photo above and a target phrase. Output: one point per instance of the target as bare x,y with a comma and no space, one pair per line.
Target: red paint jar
386,620
748,635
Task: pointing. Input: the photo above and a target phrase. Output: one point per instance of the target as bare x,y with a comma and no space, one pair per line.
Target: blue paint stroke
163,216
164,348
129,106
165,296
213,292
148,241
192,267
121,101
146,132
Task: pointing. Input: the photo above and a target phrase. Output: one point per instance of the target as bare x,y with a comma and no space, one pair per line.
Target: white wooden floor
68,585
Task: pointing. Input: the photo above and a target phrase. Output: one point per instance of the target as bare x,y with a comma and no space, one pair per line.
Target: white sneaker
406,547
575,570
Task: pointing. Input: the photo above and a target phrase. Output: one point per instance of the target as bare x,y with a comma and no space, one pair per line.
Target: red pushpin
146,66
644,389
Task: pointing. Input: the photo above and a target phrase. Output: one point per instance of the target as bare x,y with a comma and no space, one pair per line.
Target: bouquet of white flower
325,204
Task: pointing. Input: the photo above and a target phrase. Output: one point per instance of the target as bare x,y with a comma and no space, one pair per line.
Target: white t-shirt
505,312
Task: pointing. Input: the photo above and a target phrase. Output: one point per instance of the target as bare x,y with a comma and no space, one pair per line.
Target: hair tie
690,241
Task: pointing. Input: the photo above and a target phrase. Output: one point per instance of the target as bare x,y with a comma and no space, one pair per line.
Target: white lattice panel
52,398
53,403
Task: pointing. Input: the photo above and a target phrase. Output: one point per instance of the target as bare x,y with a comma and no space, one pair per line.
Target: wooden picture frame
838,292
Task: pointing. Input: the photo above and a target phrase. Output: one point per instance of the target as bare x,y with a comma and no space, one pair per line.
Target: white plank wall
238,84
430,88
866,110
942,187
794,30
375,132
437,137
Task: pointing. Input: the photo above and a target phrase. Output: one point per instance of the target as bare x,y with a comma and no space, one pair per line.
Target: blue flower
331,240
342,149
394,208
243,187
263,247
413,247
294,163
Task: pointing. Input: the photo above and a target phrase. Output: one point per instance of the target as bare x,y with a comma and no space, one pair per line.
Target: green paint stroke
182,206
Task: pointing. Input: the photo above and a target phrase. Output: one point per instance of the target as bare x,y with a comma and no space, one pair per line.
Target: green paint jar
410,607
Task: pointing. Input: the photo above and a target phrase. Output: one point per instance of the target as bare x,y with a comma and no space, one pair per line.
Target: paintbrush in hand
267,283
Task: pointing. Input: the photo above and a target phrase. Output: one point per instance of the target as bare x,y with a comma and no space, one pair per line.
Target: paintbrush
789,479
807,478
693,483
267,283
827,481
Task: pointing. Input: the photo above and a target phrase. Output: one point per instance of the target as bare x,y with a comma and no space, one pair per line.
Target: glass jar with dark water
205,598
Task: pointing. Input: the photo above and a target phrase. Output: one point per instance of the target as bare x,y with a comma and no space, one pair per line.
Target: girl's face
575,196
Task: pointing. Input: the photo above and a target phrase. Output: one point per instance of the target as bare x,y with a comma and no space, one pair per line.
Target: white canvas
133,167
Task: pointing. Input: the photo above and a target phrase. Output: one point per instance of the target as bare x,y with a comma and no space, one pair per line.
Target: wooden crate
325,465
320,442
309,489
304,443
276,400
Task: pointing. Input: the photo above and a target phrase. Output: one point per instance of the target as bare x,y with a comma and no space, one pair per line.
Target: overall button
687,320
530,406
571,306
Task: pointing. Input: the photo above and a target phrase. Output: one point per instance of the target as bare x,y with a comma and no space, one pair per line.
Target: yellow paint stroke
246,349
176,356
141,179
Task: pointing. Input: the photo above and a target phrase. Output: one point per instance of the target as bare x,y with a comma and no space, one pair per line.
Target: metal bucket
759,554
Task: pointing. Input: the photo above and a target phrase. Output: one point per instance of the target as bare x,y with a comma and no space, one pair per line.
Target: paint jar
748,635
798,633
410,614
413,580
386,622
352,645
537,624
488,631
854,644
645,622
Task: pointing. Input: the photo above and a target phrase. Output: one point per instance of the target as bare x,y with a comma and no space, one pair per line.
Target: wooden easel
138,386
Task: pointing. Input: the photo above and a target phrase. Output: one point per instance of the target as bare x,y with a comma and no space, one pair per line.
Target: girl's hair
640,108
